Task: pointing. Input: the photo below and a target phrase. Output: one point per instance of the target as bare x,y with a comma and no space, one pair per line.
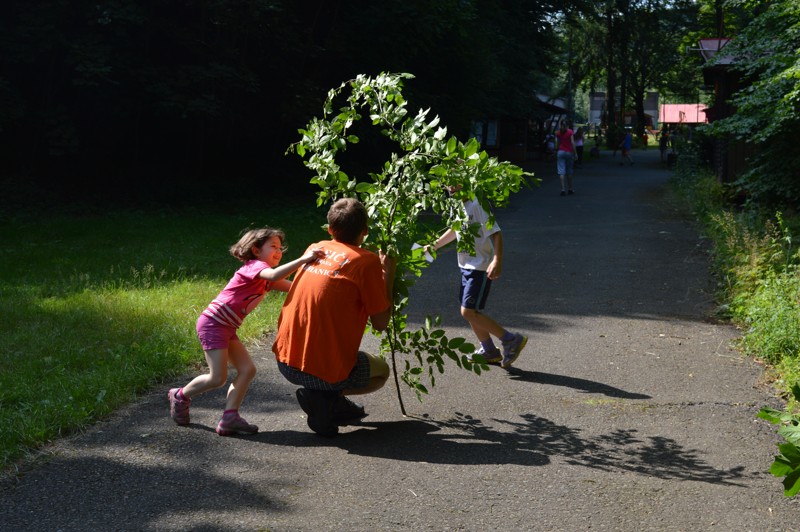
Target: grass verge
98,309
757,267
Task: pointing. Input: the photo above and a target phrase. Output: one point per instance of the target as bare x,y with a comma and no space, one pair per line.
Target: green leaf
455,343
791,433
780,467
466,347
791,484
471,148
478,359
796,391
791,452
770,414
451,145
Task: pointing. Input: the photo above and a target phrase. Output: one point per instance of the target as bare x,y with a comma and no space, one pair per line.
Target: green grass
99,309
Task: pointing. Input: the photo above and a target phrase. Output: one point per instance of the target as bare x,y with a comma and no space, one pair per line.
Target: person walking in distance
565,158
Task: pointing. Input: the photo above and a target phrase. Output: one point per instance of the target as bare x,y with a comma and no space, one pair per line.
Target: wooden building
729,157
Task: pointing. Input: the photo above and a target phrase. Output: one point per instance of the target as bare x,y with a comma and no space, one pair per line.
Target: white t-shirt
484,248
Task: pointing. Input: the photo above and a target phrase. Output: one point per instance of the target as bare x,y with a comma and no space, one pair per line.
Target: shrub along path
628,409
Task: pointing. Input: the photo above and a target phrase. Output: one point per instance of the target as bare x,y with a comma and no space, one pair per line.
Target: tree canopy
766,55
628,47
128,100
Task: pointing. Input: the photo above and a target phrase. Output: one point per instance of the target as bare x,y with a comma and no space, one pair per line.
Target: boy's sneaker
491,357
230,425
178,409
346,412
318,406
512,349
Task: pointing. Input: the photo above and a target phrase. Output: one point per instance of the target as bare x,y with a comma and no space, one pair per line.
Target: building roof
552,105
682,113
710,47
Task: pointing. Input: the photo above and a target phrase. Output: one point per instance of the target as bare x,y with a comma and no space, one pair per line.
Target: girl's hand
314,254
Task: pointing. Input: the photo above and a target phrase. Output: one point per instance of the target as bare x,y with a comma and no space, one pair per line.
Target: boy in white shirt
477,273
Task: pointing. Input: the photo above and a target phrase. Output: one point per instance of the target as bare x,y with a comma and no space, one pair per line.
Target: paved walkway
629,409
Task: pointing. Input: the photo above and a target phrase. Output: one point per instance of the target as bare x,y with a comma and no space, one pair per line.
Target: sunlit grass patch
97,311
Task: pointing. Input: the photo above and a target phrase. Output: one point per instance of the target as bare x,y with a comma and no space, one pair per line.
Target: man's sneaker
318,406
346,412
491,357
179,410
512,349
230,425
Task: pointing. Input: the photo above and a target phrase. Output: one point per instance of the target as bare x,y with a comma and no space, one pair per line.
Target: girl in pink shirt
565,158
261,251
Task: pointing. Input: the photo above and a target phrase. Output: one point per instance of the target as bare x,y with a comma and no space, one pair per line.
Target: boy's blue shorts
475,285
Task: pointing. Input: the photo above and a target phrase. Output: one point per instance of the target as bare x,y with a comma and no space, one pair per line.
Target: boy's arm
380,321
495,268
447,237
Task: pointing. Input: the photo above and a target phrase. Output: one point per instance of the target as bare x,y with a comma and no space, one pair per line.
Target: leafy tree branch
430,173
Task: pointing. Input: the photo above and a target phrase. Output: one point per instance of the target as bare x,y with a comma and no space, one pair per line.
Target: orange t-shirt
326,311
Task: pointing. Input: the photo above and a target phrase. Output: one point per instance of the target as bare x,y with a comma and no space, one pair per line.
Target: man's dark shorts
358,378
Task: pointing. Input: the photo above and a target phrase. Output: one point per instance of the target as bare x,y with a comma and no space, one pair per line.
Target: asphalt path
629,409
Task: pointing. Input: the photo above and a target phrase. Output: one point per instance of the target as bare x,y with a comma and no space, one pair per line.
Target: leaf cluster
787,463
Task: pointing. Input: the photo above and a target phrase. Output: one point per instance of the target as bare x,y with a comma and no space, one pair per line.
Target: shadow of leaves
531,441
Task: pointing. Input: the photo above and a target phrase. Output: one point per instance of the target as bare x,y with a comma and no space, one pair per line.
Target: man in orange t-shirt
324,317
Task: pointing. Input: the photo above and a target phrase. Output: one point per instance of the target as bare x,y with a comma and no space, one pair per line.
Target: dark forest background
127,103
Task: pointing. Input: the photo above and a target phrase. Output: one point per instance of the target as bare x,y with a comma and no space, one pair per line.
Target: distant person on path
595,150
477,273
324,317
565,158
549,146
663,144
626,145
261,251
579,147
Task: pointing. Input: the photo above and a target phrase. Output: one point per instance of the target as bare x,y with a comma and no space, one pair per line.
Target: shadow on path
532,441
584,385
